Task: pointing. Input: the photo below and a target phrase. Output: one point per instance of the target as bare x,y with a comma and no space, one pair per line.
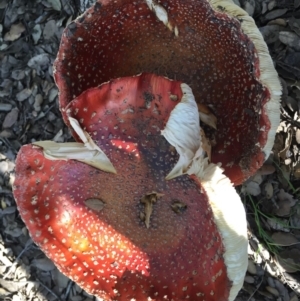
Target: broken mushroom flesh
89,221
212,45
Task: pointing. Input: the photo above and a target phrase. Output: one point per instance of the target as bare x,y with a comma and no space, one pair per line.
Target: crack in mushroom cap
109,251
211,45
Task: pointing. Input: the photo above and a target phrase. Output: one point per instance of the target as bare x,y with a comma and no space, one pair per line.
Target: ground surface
29,37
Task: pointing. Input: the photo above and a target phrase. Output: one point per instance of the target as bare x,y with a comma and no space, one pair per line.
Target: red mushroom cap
91,223
212,45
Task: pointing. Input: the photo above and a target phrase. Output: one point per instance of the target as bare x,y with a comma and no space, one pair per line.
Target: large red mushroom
212,45
152,220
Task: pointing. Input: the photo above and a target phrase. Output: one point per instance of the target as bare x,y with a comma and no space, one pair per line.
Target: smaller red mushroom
131,234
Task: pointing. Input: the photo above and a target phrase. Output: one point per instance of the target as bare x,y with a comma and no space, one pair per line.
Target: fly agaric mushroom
192,245
213,45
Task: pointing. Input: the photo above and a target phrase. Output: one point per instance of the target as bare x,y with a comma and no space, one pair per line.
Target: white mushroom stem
87,152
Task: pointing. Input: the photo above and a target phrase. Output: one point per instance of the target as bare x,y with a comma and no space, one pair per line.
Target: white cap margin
268,75
230,218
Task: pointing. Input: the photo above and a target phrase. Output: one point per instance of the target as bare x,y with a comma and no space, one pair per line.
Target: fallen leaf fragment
252,188
5,107
272,290
24,94
50,29
251,267
4,258
289,260
284,175
249,279
59,279
282,289
14,33
266,169
36,33
11,118
297,171
95,204
278,143
290,39
207,116
285,202
268,190
288,142
3,293
284,239
275,225
39,62
294,298
298,136
206,145
44,264
12,286
56,4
